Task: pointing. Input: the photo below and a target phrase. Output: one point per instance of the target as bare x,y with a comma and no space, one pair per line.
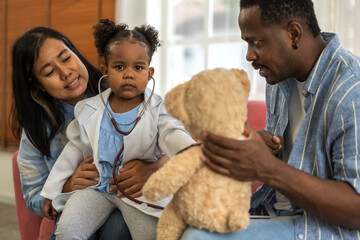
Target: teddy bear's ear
242,76
174,102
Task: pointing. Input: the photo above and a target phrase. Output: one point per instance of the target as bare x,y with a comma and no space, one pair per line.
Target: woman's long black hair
34,111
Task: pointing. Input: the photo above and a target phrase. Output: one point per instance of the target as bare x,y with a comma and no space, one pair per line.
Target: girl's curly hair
106,32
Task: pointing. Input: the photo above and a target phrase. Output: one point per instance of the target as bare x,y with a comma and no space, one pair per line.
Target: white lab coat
155,133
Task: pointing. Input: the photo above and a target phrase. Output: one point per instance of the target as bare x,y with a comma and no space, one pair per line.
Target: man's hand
83,176
245,160
49,211
134,174
274,142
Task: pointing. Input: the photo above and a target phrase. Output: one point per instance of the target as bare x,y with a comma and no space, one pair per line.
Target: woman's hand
134,174
49,211
83,176
245,160
274,142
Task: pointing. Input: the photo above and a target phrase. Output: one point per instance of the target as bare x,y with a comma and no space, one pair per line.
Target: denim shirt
327,145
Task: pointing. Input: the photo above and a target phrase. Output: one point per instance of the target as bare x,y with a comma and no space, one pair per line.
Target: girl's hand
134,174
49,211
83,176
274,142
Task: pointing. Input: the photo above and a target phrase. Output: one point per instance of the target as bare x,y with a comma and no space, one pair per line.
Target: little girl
127,121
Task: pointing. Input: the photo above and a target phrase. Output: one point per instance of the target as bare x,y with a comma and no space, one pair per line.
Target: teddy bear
216,101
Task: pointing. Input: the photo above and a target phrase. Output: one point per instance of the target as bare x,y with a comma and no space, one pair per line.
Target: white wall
133,13
6,178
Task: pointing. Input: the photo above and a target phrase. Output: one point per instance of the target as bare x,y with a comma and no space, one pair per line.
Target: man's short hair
283,11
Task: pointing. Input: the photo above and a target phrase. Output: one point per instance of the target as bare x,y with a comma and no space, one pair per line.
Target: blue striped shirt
35,167
327,144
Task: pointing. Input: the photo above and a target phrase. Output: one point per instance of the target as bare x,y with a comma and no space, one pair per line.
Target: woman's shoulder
88,106
91,102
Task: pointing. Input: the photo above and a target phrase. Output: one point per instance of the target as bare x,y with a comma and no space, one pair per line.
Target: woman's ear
41,88
151,73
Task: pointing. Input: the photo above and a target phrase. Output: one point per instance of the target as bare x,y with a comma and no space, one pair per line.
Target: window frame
330,14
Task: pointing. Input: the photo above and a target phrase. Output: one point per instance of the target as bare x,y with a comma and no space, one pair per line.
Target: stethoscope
122,147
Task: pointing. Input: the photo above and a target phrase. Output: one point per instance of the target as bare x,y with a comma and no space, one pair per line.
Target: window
198,35
204,34
341,16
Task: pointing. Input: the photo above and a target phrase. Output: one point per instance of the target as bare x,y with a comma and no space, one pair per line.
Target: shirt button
143,206
301,236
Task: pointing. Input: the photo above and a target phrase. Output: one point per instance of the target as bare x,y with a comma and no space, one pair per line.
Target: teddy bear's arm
172,136
173,175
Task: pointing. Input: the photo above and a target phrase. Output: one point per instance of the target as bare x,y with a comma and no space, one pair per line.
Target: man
312,101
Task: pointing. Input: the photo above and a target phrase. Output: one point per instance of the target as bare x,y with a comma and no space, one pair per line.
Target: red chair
257,114
257,119
31,226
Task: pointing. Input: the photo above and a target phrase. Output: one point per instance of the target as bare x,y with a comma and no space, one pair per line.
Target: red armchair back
257,119
257,114
31,226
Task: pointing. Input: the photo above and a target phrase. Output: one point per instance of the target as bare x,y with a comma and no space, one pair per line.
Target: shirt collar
68,110
320,68
323,62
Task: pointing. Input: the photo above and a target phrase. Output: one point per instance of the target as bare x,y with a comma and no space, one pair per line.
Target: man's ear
151,73
295,32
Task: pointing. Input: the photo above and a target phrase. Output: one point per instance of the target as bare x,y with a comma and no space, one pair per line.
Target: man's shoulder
346,79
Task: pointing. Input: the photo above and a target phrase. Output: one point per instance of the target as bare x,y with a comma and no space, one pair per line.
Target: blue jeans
114,228
279,228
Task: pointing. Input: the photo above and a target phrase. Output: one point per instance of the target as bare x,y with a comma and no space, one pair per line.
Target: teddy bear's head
212,100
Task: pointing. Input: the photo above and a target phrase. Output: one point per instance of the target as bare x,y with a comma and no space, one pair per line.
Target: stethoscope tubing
122,147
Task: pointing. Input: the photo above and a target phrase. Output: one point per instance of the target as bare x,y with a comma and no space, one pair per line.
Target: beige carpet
8,223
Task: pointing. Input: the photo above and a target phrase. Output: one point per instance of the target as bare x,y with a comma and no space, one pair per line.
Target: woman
49,77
